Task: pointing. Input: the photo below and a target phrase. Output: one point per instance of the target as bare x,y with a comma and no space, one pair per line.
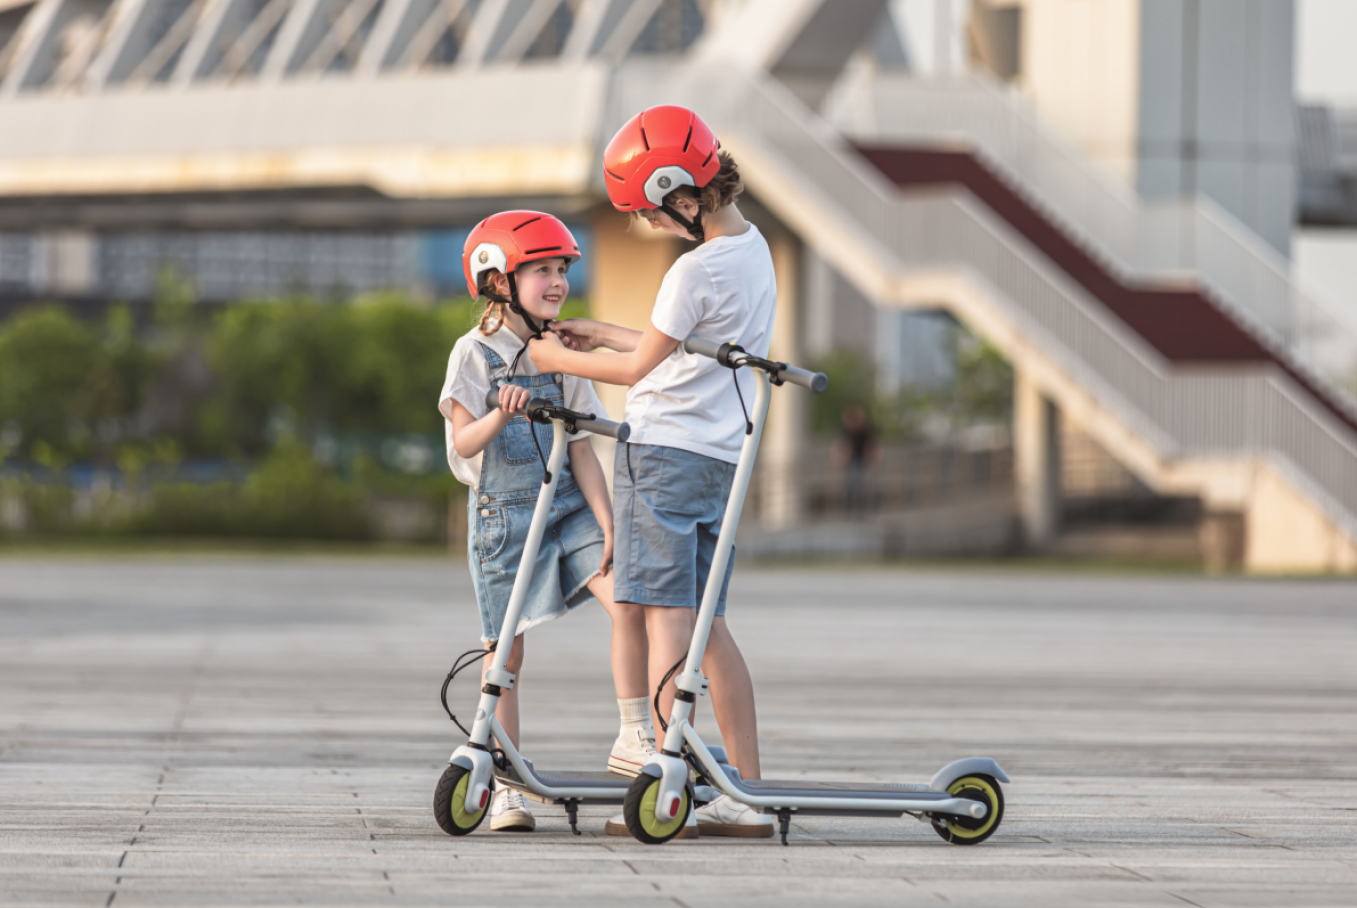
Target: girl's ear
501,283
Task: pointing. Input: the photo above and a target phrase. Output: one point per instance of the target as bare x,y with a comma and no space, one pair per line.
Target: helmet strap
534,329
694,227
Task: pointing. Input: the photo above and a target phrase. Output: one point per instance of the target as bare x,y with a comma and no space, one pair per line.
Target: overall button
485,512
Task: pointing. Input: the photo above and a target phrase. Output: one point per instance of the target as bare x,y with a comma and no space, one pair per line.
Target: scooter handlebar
582,422
701,346
815,381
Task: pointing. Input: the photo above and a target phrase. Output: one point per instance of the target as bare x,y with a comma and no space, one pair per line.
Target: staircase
1198,391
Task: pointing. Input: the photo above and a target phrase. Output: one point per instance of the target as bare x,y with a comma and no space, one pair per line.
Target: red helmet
657,151
506,240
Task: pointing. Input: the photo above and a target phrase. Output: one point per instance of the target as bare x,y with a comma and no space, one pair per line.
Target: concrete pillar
781,487
1036,462
625,274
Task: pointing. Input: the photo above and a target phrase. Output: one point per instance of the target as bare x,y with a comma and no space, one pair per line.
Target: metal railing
1195,238
1251,411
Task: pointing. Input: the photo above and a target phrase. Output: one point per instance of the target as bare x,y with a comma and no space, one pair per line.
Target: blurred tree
47,366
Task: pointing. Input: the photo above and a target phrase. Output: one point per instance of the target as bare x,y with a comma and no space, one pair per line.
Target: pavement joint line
1182,899
1132,872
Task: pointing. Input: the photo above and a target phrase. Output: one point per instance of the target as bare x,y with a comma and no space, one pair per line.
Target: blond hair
496,306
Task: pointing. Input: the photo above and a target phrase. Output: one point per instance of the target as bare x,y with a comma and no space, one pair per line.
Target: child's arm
589,334
550,355
471,436
589,477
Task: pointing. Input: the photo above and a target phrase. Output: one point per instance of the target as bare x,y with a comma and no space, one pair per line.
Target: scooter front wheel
449,802
638,809
967,830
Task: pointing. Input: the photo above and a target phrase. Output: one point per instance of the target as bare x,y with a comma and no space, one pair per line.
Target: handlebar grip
619,430
492,399
701,346
816,381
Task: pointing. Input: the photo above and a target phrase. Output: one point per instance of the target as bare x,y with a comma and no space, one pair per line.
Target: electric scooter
463,793
963,802
474,769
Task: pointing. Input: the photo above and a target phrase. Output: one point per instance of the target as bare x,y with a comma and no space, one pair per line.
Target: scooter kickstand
572,809
784,816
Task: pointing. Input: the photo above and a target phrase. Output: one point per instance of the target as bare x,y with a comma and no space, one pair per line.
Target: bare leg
630,649
732,699
507,711
670,630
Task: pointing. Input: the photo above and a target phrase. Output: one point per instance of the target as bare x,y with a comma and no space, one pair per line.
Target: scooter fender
482,768
968,766
673,775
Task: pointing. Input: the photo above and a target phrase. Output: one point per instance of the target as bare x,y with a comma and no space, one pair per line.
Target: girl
672,481
518,261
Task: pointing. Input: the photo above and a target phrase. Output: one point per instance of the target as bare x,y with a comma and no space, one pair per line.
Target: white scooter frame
962,801
466,784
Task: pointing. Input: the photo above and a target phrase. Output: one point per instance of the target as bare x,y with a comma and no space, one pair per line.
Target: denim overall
501,512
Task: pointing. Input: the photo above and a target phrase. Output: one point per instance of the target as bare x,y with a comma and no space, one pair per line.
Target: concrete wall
1177,97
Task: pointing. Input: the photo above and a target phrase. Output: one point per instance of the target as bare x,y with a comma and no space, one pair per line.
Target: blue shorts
569,557
668,505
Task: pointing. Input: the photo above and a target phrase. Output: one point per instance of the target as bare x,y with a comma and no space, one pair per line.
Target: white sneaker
726,816
509,812
633,749
618,826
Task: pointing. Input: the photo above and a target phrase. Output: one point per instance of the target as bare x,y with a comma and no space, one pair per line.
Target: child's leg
730,687
670,630
507,711
630,648
732,699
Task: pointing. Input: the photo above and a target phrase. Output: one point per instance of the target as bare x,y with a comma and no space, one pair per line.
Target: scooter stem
497,674
691,679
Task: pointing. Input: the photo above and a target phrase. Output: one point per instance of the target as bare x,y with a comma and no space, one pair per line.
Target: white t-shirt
469,378
725,291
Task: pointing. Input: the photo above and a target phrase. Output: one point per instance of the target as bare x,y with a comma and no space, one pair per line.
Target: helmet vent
527,222
645,141
543,249
614,176
689,139
713,151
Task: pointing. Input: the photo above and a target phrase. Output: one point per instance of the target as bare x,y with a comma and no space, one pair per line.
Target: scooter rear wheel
966,830
449,802
638,809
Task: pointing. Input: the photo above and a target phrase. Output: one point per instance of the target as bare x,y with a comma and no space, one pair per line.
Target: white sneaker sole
689,832
736,830
513,821
623,767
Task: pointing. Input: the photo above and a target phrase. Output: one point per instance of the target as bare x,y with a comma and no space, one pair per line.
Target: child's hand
544,353
578,333
512,399
606,566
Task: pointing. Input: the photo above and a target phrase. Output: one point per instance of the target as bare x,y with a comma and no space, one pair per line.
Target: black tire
452,817
638,809
965,830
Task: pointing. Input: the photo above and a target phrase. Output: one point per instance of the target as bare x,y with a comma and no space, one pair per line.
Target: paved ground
266,731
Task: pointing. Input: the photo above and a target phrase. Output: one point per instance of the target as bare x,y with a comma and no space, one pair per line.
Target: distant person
517,261
854,451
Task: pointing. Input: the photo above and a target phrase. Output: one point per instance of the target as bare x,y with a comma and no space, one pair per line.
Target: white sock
636,714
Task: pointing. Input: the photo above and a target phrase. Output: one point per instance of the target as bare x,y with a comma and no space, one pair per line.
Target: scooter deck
601,787
866,789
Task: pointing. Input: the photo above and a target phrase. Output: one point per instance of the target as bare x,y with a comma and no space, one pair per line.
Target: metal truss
84,46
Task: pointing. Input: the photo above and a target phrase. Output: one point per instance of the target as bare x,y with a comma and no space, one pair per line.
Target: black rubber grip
816,381
492,399
619,430
701,346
